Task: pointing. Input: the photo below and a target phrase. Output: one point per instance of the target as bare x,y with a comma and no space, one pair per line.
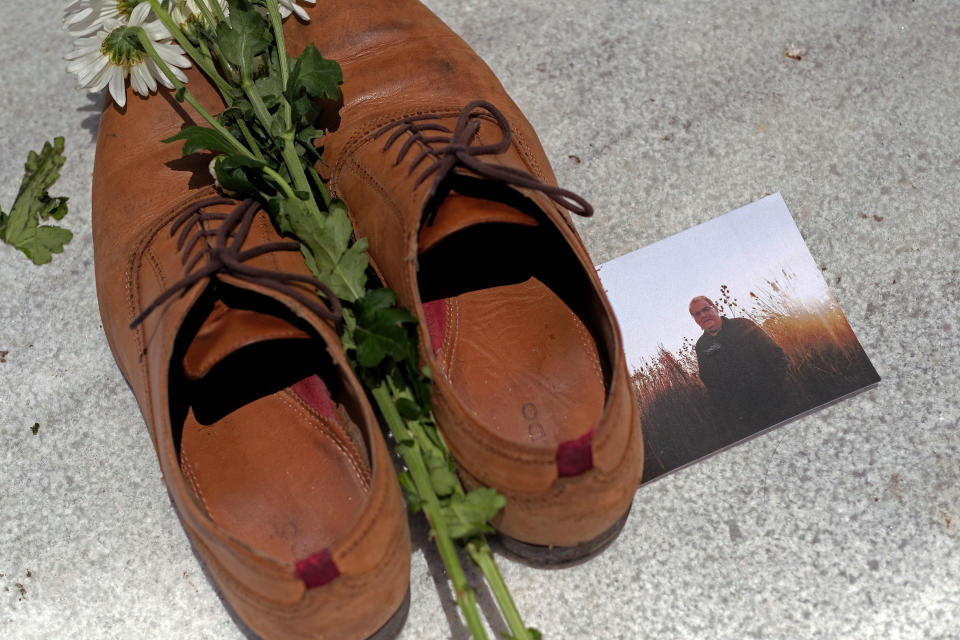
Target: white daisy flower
84,17
114,52
290,6
183,11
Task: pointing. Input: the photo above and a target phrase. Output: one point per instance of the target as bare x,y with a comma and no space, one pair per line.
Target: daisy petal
118,88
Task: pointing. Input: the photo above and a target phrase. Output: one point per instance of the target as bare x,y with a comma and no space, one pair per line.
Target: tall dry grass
825,358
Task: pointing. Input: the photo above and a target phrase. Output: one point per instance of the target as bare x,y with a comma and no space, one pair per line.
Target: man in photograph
743,370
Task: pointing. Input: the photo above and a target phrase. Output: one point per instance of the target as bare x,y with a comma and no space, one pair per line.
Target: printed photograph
729,329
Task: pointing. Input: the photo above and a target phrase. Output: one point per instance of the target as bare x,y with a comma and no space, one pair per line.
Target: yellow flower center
126,6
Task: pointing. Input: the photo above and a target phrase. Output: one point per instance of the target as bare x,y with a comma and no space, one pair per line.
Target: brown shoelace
450,149
225,256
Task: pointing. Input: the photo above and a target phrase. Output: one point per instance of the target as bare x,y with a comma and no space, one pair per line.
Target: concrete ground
843,524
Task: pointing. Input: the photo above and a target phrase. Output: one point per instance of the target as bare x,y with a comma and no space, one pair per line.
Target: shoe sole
545,556
392,627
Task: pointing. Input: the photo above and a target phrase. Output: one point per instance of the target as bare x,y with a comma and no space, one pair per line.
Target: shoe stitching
191,476
239,553
132,277
365,134
152,258
447,150
586,339
527,154
339,445
146,240
603,436
229,256
134,265
331,430
358,535
453,314
366,176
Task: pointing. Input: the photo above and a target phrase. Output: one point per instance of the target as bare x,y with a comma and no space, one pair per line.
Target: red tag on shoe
317,570
575,456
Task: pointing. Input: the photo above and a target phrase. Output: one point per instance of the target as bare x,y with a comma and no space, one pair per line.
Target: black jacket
745,373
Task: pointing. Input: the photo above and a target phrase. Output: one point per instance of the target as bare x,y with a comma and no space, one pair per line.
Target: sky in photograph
650,288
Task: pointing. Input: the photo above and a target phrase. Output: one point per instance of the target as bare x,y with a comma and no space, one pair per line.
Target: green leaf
374,347
306,136
329,255
468,515
381,334
202,139
270,89
410,490
21,227
277,127
314,74
407,408
238,174
376,300
443,476
240,110
248,35
349,328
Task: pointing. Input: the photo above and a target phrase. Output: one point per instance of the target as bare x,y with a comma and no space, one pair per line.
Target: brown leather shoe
447,180
267,444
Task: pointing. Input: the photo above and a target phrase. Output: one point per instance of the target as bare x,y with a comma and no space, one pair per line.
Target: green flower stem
225,65
319,186
481,555
274,10
213,122
219,10
259,108
466,598
183,41
205,52
283,184
288,151
245,130
418,430
477,546
205,10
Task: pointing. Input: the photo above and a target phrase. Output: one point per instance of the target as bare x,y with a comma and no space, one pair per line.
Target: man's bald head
706,315
703,299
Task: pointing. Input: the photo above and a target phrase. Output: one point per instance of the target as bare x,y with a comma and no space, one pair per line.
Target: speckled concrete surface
844,524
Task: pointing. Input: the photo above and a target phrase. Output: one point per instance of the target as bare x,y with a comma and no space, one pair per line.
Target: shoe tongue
457,212
227,330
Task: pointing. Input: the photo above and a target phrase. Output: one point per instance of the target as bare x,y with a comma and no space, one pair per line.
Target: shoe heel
392,627
558,557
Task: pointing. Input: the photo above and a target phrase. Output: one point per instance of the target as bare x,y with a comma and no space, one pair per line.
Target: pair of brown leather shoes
266,441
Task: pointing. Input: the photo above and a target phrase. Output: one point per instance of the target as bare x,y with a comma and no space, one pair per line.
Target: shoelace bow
225,256
450,149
